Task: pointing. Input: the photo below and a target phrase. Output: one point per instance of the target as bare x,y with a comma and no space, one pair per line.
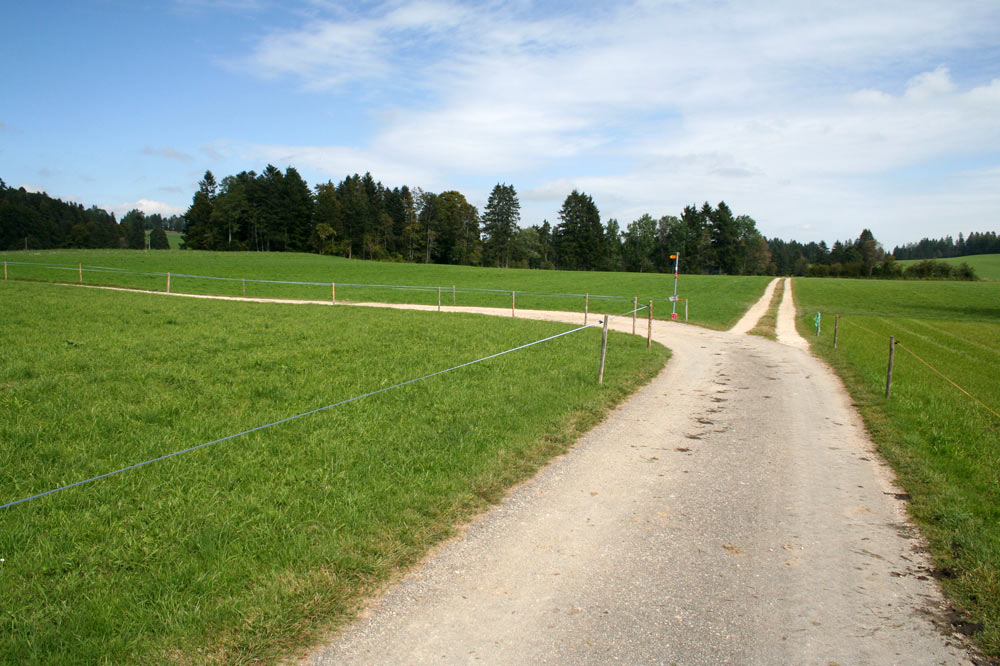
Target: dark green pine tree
198,231
296,212
580,236
697,243
501,218
135,229
724,233
158,239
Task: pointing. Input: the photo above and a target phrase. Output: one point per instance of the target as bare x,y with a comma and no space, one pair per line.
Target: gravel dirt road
732,512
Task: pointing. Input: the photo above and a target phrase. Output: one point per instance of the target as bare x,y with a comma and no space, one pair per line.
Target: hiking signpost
673,299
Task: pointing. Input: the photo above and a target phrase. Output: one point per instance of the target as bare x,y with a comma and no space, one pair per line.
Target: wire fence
318,410
894,342
332,291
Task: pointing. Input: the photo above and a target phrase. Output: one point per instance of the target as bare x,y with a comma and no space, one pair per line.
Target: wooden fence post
604,350
685,309
439,299
333,292
836,329
168,283
80,268
5,270
513,303
649,330
635,308
888,376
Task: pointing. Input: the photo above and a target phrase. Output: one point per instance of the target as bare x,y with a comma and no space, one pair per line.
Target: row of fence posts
513,313
604,335
454,297
892,351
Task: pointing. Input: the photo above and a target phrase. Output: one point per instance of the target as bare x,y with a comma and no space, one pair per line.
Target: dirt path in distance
732,511
756,311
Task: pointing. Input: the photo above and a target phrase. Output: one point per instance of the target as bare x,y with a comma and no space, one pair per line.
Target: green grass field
987,265
715,301
250,549
944,445
173,237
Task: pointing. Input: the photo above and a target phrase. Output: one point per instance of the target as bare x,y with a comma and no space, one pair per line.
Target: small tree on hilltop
158,239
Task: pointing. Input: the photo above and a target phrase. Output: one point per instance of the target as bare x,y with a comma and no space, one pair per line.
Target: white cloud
930,84
167,153
147,206
332,162
784,109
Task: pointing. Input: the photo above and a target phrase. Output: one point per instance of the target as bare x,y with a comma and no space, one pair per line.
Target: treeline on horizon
360,217
36,221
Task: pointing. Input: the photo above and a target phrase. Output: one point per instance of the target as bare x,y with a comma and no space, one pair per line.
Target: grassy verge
767,326
715,301
247,550
944,445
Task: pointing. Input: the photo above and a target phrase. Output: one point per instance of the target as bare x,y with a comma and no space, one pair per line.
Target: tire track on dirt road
732,511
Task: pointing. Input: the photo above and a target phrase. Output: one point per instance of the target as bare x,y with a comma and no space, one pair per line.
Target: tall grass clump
253,548
944,444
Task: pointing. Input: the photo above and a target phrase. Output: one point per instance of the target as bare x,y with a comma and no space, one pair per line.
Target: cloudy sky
815,118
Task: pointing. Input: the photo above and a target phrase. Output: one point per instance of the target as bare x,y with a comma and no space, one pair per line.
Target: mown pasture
250,549
987,265
944,444
715,301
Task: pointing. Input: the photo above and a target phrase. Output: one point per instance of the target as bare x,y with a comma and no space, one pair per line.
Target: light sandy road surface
732,512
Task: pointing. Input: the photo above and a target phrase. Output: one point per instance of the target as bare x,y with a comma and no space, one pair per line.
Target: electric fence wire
398,287
931,367
287,419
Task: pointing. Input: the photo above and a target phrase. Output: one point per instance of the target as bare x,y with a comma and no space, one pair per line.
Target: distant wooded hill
36,221
360,217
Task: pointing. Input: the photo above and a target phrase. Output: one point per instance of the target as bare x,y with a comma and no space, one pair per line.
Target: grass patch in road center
767,325
943,444
250,549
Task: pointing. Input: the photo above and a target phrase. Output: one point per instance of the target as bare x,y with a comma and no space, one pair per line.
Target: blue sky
817,119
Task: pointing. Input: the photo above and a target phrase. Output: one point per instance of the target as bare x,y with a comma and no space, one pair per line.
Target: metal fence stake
604,350
888,376
649,330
